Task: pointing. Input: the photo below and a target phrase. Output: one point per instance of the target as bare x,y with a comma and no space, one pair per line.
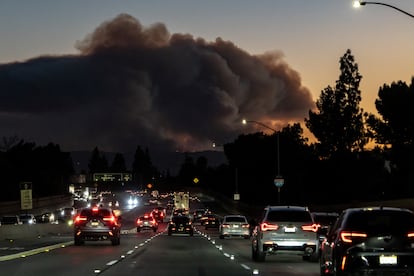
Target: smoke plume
134,85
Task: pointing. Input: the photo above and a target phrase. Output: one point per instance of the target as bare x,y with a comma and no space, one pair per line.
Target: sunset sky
304,36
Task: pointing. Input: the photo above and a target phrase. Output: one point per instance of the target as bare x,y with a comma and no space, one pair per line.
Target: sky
181,74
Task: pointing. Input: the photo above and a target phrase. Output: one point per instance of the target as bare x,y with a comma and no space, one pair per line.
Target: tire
169,233
155,230
116,241
138,229
247,237
314,257
78,241
257,256
221,237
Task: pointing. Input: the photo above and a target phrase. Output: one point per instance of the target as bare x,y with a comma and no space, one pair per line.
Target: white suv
285,230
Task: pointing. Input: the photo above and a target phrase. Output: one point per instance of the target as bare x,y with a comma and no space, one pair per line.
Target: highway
146,253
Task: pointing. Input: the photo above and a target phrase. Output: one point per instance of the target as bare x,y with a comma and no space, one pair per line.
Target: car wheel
116,241
78,241
257,256
155,230
169,233
247,237
138,230
314,257
221,237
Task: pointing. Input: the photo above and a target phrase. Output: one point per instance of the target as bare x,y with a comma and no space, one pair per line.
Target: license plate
290,229
235,226
388,260
94,223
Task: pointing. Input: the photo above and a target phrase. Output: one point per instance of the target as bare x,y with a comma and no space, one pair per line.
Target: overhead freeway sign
112,177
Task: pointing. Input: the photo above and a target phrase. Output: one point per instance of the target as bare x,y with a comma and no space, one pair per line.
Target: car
178,212
325,220
96,224
162,209
212,221
10,220
157,215
27,218
285,230
66,214
234,225
180,224
198,214
48,217
147,222
370,241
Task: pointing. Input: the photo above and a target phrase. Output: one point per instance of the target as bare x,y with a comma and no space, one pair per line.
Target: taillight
245,226
350,237
410,234
110,219
266,226
79,219
138,221
225,225
312,228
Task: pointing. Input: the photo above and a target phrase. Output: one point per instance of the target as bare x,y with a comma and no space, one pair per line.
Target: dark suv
285,230
370,241
97,224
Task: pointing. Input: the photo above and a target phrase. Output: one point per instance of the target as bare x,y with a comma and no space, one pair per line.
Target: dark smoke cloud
133,85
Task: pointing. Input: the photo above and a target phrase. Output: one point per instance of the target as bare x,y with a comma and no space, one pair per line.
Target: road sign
26,201
279,182
112,177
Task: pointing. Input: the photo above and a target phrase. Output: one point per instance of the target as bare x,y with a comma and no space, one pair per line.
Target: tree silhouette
98,162
118,164
338,125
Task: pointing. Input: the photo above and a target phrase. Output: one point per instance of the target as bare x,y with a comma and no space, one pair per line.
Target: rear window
180,219
381,220
235,219
289,215
99,213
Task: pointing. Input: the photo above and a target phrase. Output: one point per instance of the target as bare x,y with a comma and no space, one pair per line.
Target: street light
357,4
278,181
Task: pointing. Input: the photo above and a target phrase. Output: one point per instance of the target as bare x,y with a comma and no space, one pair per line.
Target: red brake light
245,226
313,227
78,219
410,235
138,221
111,219
266,227
225,225
349,236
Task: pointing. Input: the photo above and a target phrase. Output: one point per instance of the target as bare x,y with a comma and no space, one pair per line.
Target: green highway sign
112,177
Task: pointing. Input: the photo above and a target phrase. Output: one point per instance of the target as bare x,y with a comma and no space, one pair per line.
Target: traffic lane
178,254
75,260
240,248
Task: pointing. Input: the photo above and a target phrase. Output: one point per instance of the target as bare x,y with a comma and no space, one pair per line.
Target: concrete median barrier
23,231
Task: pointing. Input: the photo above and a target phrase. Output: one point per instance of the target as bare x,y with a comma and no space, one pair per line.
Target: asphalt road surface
145,253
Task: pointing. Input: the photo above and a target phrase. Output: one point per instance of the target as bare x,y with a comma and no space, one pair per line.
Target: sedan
370,241
234,225
147,222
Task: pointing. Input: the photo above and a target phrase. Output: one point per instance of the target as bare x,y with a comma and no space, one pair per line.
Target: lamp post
363,3
278,181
